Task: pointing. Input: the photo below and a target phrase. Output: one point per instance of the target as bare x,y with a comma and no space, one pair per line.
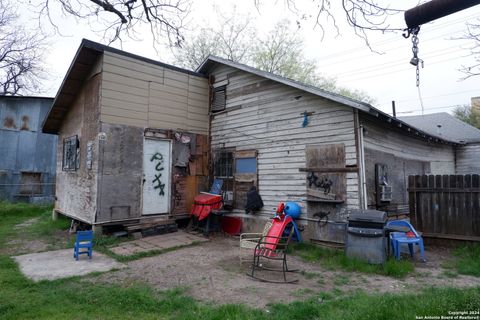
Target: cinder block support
54,214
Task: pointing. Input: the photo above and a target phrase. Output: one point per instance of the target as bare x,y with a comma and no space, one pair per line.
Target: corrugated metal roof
211,61
450,128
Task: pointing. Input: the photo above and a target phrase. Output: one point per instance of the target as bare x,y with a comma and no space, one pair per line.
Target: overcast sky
386,77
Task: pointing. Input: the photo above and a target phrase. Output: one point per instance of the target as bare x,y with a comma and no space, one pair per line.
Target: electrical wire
430,97
395,39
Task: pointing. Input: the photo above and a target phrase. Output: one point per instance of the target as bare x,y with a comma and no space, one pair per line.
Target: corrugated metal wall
25,151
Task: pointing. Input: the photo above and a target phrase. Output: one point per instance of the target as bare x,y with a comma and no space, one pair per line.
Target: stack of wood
152,226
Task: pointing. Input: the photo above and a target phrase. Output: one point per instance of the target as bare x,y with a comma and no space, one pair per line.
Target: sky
386,75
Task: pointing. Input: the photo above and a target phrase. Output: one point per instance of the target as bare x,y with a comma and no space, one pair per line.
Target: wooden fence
446,206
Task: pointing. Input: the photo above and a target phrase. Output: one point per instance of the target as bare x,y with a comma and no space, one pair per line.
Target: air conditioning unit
386,194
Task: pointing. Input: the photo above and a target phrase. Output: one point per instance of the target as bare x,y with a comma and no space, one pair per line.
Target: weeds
467,260
336,259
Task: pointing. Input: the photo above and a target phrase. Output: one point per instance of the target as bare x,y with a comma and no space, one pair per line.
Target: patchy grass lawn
466,261
336,259
74,298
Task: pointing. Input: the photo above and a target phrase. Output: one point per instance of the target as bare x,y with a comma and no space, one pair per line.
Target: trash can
366,236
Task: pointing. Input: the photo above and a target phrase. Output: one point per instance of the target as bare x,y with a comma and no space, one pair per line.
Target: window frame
71,149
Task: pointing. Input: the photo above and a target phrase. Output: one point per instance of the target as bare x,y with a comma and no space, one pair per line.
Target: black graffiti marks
324,183
157,183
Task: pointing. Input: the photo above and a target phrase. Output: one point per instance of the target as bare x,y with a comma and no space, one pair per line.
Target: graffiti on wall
157,183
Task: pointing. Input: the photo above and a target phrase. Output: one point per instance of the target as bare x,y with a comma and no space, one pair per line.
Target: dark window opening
223,167
219,99
71,153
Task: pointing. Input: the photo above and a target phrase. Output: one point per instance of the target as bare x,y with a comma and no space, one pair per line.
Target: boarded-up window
71,153
30,183
219,99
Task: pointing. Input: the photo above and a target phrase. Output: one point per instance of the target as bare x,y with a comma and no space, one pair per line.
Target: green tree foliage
279,51
468,114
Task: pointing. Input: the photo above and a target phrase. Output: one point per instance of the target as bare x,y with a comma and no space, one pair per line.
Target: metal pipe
434,10
363,178
393,109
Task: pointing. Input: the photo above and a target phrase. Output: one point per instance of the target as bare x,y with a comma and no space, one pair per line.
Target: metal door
157,157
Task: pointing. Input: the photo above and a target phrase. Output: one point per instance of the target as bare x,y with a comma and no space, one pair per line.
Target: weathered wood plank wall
138,93
267,116
468,159
446,206
387,139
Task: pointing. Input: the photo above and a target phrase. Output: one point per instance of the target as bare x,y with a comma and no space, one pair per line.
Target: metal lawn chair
273,247
83,244
250,240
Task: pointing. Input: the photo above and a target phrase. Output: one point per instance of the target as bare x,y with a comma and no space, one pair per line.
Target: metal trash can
366,236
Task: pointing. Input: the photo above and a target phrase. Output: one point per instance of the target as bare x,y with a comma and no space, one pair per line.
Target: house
132,137
300,143
444,125
27,164
138,138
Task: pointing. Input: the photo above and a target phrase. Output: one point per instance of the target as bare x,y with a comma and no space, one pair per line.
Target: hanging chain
415,60
415,56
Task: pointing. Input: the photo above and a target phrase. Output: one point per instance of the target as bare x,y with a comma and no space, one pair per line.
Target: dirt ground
211,272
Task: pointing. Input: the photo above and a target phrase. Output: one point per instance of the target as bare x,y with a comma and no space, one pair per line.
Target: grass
74,298
467,260
341,280
336,259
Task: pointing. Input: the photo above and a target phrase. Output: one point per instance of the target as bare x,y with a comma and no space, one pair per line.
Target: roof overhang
71,85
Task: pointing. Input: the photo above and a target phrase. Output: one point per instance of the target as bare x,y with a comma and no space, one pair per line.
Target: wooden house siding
388,140
399,155
138,93
267,116
468,159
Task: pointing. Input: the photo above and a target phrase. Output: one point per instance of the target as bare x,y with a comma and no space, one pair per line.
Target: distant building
28,156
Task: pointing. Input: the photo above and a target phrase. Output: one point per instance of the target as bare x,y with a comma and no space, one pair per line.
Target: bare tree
118,18
473,34
361,15
280,51
20,54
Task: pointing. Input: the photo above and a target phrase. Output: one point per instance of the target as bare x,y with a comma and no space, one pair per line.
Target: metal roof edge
74,60
362,106
100,47
25,97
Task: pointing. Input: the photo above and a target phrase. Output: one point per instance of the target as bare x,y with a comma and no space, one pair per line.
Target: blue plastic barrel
292,209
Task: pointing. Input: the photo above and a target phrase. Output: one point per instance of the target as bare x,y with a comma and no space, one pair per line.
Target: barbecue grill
366,236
